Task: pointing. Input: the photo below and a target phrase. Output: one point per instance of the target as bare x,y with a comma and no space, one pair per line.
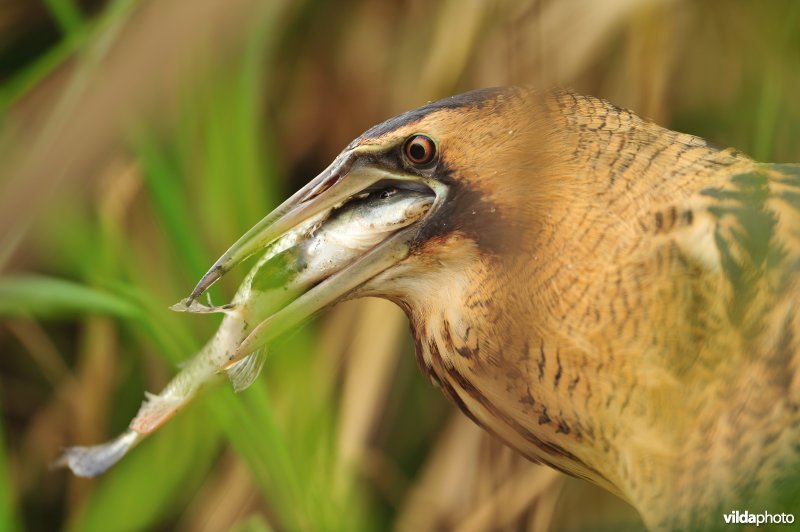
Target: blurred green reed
200,183
220,154
77,34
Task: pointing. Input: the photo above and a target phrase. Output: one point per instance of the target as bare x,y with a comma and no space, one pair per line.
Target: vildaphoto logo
764,518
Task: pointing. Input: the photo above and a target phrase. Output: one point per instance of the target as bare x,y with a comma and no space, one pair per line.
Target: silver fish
290,267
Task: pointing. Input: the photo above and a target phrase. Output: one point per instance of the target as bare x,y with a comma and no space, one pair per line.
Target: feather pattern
614,299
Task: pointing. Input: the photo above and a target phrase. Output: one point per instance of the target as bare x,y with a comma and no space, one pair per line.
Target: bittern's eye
420,150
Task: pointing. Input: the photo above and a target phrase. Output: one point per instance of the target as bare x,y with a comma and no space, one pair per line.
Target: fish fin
154,412
93,460
244,372
195,307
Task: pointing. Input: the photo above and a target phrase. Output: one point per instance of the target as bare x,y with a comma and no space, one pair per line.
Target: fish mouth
348,179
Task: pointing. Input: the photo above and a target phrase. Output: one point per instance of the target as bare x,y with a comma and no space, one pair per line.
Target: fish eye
388,193
419,150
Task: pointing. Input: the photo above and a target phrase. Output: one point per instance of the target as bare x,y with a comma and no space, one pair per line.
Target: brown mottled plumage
608,297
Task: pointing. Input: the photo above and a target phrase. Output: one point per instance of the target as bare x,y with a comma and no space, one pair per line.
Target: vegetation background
138,139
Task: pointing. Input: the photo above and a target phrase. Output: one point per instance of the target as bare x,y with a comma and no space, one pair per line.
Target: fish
290,266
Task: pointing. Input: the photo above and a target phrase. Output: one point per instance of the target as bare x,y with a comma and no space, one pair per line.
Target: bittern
608,297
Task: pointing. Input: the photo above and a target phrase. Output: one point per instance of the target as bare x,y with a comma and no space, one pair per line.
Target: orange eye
419,150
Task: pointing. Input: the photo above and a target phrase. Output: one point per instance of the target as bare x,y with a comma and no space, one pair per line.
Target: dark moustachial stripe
466,210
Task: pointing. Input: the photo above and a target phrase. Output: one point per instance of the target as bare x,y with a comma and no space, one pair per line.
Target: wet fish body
291,266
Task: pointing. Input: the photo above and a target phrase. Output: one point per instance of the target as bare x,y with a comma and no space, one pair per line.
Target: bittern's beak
348,177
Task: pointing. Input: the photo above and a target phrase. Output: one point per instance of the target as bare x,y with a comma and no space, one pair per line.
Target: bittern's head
474,154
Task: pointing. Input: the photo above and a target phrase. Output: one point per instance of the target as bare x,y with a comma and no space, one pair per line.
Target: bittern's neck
600,277
551,347
624,165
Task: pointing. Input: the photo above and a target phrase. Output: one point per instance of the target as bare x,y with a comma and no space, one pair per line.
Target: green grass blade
26,79
47,297
163,183
67,15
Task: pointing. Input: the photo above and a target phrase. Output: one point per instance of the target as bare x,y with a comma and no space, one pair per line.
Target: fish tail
92,460
156,410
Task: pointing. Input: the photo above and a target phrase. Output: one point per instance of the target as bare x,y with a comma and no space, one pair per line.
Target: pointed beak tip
208,279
